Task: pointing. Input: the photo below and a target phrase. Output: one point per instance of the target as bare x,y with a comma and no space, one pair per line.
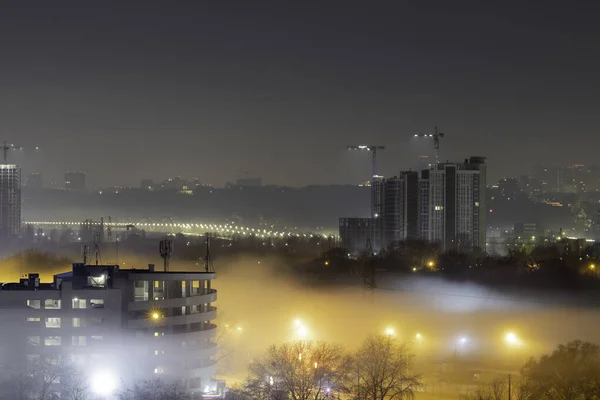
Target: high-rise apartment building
130,323
399,207
452,205
75,181
445,205
10,200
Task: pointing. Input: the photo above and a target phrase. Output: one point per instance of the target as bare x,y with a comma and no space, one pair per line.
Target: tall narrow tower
10,200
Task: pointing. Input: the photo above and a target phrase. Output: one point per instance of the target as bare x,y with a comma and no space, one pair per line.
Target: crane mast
436,136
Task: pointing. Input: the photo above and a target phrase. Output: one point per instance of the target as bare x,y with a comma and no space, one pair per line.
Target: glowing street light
430,264
302,331
592,267
103,383
390,331
463,340
155,315
512,339
418,336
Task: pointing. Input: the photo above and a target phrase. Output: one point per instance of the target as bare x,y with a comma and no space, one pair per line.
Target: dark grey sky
125,90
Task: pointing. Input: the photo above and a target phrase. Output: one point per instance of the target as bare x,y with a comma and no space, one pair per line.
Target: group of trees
543,265
55,378
42,378
380,369
571,372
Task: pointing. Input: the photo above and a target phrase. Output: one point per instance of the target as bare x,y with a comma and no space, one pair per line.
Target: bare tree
498,389
153,389
299,371
384,370
42,378
75,384
572,371
17,382
46,372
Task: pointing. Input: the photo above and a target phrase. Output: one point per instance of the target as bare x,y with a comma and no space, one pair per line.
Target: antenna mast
166,250
85,252
97,248
208,264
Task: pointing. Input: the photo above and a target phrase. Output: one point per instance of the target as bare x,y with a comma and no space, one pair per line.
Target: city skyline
211,90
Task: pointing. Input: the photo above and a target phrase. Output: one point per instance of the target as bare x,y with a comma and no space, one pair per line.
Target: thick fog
261,300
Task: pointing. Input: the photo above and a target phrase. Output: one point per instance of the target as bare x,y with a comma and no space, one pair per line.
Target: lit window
476,204
33,340
78,340
155,352
51,304
33,320
52,322
79,303
97,303
52,341
155,333
33,304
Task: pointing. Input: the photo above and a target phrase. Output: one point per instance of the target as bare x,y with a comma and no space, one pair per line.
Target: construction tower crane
435,136
6,147
373,149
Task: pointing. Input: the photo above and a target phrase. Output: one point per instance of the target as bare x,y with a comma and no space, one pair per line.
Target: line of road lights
229,229
510,337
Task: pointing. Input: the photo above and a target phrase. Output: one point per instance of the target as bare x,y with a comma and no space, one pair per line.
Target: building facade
133,323
444,205
75,181
10,200
35,180
452,205
354,233
400,207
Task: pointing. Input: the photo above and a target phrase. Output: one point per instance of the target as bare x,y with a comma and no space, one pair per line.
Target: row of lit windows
51,304
57,340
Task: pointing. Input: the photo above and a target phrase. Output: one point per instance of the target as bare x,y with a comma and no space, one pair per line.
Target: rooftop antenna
97,248
166,250
85,252
208,264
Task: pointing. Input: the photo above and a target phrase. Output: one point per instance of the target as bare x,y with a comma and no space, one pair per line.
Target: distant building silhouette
249,182
75,181
445,205
35,180
10,200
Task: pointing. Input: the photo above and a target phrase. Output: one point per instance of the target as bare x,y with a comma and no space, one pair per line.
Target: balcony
209,315
209,297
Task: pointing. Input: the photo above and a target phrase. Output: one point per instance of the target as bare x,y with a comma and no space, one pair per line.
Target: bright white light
104,383
302,331
297,323
511,338
463,340
390,331
418,336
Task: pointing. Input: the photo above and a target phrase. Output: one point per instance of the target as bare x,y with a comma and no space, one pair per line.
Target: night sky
278,89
